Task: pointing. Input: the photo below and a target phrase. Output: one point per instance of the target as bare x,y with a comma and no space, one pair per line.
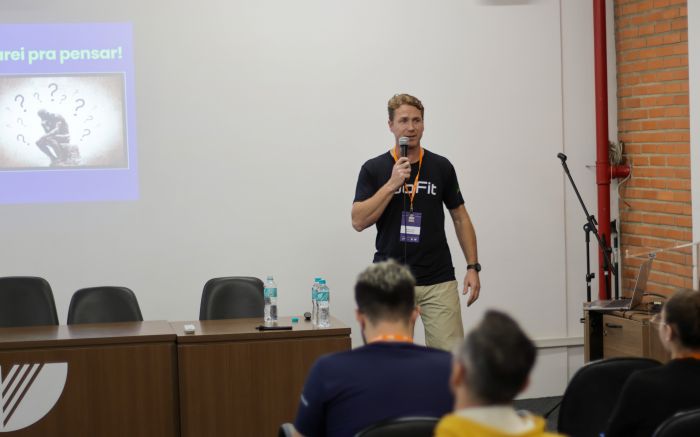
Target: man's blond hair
403,99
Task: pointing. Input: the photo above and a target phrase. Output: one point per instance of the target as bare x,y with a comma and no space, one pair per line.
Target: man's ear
361,319
670,332
414,315
458,375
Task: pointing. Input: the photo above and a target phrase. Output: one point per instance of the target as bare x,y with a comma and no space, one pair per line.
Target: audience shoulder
440,357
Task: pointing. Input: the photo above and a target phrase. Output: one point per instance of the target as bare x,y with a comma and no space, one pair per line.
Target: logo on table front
28,392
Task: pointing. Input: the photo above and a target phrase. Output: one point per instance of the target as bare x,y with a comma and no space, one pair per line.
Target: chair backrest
402,427
26,301
104,305
682,424
592,393
233,297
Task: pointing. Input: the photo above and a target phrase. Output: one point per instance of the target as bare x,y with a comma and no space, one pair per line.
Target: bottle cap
317,278
295,319
322,281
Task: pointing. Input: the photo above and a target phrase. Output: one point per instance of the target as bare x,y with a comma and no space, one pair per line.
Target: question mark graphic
22,138
54,91
86,132
20,97
38,98
89,118
79,106
63,98
20,121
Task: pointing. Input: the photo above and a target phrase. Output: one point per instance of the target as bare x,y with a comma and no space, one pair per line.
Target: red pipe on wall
602,161
620,171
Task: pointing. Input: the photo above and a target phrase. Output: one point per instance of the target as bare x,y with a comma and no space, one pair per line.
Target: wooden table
621,334
117,379
235,380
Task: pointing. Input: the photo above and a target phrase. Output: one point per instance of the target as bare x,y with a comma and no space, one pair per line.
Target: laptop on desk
627,303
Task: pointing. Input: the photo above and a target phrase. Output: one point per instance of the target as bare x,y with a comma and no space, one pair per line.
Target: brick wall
652,92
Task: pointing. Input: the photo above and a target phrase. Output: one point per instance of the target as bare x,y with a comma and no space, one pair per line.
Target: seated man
491,367
651,396
389,377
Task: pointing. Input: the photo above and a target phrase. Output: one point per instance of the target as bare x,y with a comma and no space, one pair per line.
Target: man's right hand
400,172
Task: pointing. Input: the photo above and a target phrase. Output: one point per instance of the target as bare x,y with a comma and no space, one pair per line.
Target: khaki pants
441,314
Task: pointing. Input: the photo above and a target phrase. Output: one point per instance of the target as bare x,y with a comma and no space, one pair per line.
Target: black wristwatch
476,267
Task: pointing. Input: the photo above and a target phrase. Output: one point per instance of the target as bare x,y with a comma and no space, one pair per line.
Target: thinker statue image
55,143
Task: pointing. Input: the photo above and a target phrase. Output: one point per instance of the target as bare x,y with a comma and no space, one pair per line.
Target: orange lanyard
695,356
392,337
414,188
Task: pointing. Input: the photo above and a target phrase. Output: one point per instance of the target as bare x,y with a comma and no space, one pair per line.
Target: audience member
490,368
651,396
389,377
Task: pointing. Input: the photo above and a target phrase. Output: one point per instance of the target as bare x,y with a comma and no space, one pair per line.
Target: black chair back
26,301
682,424
233,297
402,427
592,393
104,305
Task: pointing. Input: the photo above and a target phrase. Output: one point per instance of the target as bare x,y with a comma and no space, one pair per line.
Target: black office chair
592,393
26,301
104,305
402,427
682,424
233,297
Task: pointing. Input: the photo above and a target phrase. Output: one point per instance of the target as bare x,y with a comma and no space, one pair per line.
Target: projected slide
67,116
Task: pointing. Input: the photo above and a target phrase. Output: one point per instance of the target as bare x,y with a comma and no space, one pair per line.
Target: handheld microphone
403,144
562,157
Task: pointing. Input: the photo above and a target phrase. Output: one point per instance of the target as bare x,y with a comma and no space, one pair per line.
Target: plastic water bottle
270,300
314,301
324,309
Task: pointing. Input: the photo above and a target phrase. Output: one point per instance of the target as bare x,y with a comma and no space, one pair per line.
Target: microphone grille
403,141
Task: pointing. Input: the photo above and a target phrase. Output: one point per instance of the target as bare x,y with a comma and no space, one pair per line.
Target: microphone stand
590,227
614,235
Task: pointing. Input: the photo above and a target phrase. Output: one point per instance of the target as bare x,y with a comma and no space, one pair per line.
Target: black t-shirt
430,259
651,396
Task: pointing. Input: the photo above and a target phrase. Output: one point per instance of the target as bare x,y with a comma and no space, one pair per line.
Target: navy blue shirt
349,391
429,260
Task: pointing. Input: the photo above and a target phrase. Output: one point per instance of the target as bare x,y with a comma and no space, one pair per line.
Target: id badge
410,227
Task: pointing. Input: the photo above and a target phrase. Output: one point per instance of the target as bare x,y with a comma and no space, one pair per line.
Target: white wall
255,116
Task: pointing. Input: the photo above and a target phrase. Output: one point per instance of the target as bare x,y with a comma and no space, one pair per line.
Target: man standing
389,377
417,237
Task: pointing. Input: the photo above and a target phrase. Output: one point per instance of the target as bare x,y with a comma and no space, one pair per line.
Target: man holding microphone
416,235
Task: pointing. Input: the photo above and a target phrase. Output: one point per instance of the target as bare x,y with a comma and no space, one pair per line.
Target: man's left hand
471,282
